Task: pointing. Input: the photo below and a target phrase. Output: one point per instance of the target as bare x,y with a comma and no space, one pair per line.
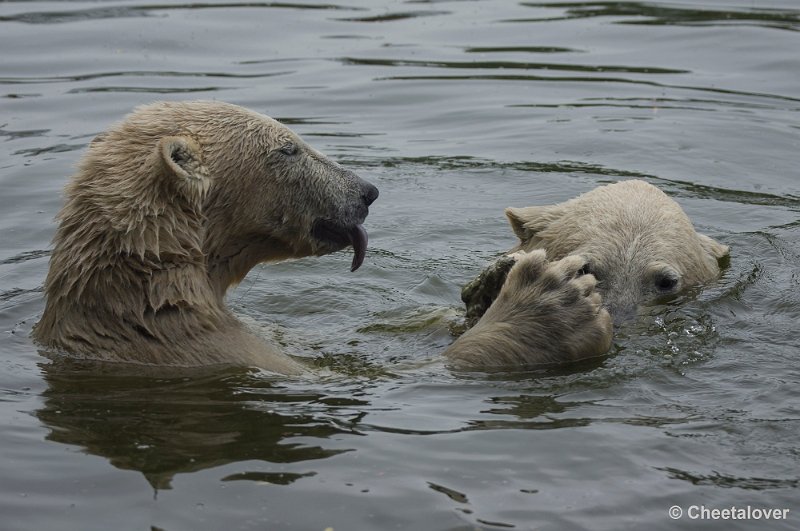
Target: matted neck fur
171,207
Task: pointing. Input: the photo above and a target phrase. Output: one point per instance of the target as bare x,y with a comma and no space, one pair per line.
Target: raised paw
588,328
546,312
528,267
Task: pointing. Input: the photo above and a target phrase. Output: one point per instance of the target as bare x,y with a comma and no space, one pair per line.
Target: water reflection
163,424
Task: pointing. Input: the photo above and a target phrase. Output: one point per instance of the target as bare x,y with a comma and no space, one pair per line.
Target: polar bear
171,207
634,244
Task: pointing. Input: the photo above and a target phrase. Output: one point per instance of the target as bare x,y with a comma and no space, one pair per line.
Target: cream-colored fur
545,313
634,240
171,207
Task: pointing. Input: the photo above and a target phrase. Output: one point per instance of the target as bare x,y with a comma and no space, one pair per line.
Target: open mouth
340,236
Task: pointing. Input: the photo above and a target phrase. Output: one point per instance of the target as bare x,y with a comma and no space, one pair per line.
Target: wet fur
166,211
629,232
629,235
545,313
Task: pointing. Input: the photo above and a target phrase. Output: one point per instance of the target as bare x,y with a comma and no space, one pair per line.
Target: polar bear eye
289,149
666,283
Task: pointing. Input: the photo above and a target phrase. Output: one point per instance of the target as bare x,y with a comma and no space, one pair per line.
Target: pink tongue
358,237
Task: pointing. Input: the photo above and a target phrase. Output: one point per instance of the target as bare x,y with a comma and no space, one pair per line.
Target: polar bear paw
559,302
545,313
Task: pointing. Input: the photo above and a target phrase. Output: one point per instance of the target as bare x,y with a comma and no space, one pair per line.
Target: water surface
455,110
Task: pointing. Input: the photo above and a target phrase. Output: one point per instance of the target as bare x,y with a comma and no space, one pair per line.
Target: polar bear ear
182,159
713,248
527,221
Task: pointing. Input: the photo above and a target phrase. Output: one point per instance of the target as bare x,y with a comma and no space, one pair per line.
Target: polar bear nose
369,193
621,313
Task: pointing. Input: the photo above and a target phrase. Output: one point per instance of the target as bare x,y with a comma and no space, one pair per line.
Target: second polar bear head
638,242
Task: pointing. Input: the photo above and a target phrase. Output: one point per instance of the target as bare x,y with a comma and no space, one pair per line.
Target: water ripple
135,73
512,65
726,481
16,297
57,148
149,90
59,17
681,103
14,135
521,49
676,188
577,79
392,17
638,13
27,255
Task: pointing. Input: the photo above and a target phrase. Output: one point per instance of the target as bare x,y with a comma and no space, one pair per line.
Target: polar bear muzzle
340,237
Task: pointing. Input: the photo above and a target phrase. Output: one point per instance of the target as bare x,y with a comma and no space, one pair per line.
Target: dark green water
455,110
